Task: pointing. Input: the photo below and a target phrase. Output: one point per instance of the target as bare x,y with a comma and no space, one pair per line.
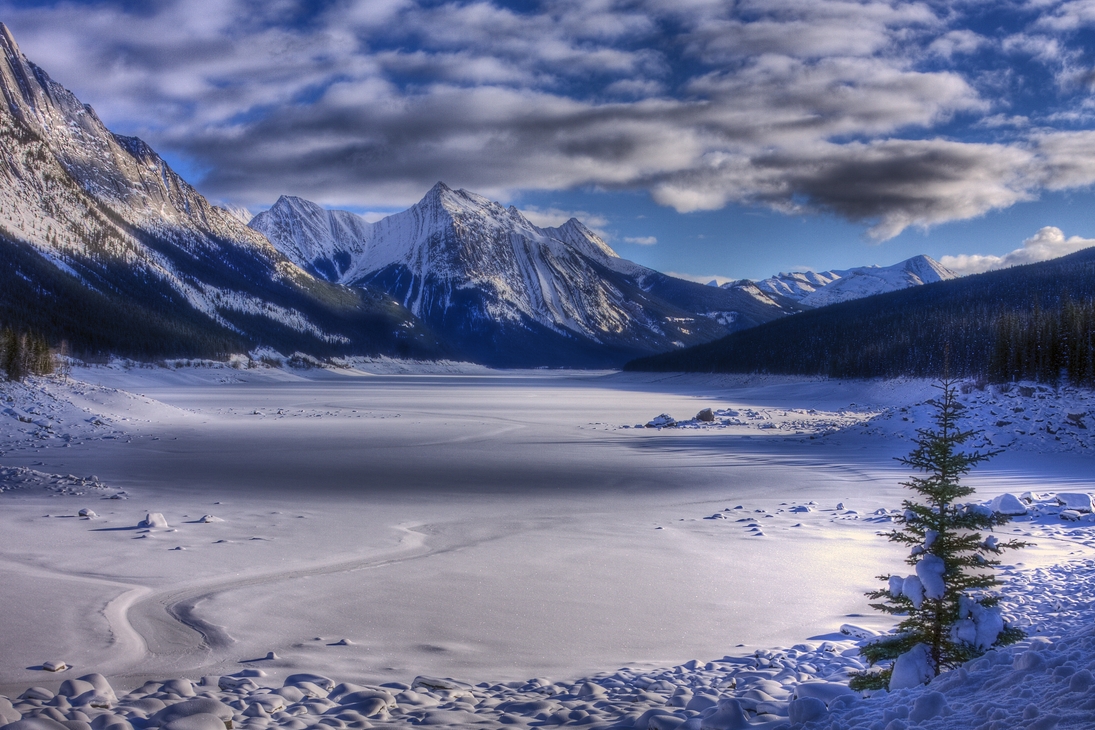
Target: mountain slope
108,213
816,289
323,241
506,292
1035,321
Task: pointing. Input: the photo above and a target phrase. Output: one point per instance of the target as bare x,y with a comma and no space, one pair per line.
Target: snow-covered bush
949,614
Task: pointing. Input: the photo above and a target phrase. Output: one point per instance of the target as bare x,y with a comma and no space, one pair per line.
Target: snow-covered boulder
154,520
913,668
36,723
1075,500
806,709
727,715
1008,504
706,415
858,632
74,688
317,680
8,714
197,721
927,706
663,421
824,691
195,706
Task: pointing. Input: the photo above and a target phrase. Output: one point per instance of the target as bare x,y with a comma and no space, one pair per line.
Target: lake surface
486,528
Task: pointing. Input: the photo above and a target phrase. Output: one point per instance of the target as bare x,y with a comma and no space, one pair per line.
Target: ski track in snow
1040,683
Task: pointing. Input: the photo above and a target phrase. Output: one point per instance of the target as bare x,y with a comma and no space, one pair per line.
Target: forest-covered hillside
1028,322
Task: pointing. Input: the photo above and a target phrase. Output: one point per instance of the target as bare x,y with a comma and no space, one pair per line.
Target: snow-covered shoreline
1043,682
49,419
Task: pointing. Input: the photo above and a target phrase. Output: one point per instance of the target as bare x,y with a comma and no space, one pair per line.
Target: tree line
1045,345
23,354
1034,322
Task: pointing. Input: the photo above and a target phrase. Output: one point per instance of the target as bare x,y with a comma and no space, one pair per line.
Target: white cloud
555,217
1069,16
957,42
997,121
642,240
823,105
1048,243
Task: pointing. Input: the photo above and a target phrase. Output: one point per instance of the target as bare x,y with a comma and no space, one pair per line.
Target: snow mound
1077,501
913,668
154,521
1008,504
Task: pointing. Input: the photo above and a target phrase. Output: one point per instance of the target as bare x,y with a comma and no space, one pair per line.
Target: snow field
1044,682
1029,417
554,548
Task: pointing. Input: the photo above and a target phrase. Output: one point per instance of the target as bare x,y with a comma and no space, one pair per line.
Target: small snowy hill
505,291
829,287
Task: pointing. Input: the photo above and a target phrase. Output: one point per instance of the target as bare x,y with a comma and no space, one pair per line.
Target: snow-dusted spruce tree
949,614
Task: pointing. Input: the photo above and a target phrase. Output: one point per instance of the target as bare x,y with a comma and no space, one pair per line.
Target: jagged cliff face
122,173
455,240
487,276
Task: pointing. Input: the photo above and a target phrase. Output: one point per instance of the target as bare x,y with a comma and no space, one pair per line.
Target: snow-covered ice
492,527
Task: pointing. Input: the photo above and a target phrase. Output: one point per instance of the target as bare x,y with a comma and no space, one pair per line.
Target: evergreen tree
23,354
949,614
13,355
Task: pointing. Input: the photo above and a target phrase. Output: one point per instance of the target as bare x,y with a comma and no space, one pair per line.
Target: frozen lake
480,527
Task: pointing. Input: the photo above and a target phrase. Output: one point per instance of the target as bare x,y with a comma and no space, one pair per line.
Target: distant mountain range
815,289
1032,322
504,291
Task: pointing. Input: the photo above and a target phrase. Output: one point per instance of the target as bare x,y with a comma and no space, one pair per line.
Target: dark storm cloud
897,183
864,109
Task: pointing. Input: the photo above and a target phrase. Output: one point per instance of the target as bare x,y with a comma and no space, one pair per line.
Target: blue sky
702,137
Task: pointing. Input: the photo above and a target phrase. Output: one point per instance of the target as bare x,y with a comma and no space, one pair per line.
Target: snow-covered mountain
114,247
322,241
499,286
104,245
815,289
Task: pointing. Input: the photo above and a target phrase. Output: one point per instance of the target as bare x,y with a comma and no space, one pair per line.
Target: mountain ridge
819,289
485,274
1034,321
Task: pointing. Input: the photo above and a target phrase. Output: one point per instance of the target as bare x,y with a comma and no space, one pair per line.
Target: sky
707,138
